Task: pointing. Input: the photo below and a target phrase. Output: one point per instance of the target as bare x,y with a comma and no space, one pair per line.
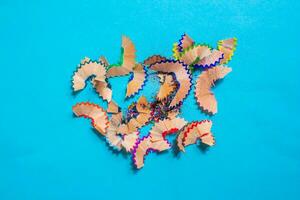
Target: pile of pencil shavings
122,131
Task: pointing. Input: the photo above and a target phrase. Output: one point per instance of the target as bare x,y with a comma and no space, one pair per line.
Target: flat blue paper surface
46,153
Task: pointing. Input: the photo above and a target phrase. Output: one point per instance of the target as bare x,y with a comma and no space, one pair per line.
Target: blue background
46,153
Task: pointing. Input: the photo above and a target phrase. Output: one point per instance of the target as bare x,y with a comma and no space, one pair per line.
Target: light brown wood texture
193,131
130,140
111,136
186,41
87,69
213,58
128,59
228,47
113,107
160,145
205,81
154,59
95,113
172,114
137,82
182,76
134,124
115,139
102,89
142,119
142,105
167,87
196,52
140,152
164,126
